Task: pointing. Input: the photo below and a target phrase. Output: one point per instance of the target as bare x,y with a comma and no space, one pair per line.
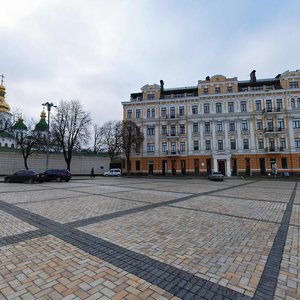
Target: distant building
221,124
10,130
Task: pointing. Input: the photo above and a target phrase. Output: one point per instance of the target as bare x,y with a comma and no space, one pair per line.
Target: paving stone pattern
150,238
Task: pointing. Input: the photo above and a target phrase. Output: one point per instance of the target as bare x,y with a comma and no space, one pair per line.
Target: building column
239,138
227,140
214,142
252,140
215,164
291,135
201,130
228,168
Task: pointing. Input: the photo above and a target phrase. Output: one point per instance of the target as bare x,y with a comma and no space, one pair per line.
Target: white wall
80,164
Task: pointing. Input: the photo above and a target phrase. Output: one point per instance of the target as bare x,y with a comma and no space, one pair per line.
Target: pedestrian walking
92,173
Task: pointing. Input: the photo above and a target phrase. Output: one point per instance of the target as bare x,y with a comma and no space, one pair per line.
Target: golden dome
43,115
4,107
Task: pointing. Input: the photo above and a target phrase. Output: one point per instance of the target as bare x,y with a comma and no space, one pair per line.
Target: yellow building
248,127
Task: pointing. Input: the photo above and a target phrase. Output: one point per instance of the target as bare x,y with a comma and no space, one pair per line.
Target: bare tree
110,138
96,139
27,140
132,138
70,126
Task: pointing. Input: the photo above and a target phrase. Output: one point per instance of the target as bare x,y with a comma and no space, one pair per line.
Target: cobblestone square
150,238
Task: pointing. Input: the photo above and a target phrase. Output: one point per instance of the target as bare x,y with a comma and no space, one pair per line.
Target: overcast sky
100,51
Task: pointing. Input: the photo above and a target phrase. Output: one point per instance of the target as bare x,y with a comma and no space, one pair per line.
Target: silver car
216,176
113,172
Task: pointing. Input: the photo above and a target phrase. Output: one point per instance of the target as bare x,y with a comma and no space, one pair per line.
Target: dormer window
205,91
293,84
150,97
218,90
229,89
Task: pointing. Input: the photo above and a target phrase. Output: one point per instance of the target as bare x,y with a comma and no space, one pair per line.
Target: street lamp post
48,105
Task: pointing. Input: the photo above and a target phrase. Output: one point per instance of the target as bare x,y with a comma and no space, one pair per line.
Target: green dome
5,134
19,125
41,126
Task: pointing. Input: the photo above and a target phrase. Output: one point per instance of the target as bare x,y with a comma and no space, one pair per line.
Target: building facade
248,127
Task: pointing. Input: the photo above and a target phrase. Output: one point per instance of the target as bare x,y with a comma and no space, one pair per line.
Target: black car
56,174
23,176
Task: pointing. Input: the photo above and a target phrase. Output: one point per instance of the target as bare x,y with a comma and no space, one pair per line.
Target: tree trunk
25,163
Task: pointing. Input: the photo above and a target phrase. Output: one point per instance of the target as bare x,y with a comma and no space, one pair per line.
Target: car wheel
30,180
7,180
58,179
67,180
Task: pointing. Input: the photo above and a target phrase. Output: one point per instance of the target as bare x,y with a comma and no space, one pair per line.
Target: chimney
252,76
162,91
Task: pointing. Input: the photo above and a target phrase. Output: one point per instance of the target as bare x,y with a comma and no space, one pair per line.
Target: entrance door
262,164
234,169
164,167
221,166
183,169
150,168
174,167
208,166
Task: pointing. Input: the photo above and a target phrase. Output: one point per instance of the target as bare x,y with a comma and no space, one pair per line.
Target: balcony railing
172,152
273,129
274,149
272,110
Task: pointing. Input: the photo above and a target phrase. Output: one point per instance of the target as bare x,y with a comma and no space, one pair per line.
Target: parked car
28,176
216,176
56,174
113,172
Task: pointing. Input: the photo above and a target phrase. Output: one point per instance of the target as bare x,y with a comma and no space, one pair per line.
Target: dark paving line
135,210
171,279
21,237
224,214
268,281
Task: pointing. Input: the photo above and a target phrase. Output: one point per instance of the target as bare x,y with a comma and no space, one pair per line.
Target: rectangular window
218,90
271,145
150,97
207,127
138,114
151,130
230,107
259,124
194,109
182,146
182,129
148,113
296,123
244,125
258,105
164,130
279,105
220,144
260,144
206,108
231,126
219,126
205,91
269,105
172,112
243,106
293,85
280,124
173,130
293,103
129,114
233,144
164,147
181,110
297,143
163,112
207,145
173,148
153,113
218,107
196,145
195,127
282,144
229,89
246,143
284,163
150,147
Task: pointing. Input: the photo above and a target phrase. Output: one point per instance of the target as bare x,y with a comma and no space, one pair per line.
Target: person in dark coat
92,173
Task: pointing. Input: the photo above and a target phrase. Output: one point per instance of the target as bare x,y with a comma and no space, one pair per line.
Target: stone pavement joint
268,281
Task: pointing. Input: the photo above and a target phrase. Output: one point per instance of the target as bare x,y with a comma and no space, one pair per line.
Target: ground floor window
138,165
284,163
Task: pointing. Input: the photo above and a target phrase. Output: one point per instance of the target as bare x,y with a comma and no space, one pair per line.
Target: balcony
274,130
274,149
172,153
272,110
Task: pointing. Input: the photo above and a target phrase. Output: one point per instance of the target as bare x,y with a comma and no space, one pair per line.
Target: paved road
150,238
